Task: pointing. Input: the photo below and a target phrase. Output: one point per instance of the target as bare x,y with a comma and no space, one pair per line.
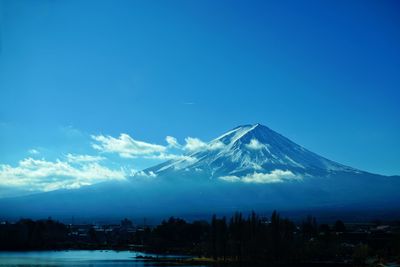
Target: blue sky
322,73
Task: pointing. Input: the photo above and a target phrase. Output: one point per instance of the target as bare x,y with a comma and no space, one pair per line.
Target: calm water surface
72,258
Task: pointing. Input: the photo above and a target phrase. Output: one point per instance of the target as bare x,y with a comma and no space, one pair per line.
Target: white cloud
167,156
255,144
125,146
33,151
75,170
195,144
216,145
172,142
230,178
275,176
83,158
150,174
42,175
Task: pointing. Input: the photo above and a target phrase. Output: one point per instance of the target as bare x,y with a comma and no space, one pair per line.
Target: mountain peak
241,132
245,134
249,149
252,126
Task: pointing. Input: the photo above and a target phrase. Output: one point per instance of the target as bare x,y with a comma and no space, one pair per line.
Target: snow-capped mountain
250,167
251,151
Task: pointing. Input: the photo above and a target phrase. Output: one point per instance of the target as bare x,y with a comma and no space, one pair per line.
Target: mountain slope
250,167
251,149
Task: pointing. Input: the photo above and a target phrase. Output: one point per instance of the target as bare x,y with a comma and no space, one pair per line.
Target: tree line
252,239
240,239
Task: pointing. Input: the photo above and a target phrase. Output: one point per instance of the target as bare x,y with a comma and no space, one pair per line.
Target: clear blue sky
325,74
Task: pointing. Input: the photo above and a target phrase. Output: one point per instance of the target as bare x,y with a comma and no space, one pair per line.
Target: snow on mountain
248,168
252,154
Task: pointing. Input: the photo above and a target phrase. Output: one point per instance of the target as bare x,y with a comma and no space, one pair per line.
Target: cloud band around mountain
76,170
275,176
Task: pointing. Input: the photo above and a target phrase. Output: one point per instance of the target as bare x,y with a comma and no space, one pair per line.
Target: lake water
72,258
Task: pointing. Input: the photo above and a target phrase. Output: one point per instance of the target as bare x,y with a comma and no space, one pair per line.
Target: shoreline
173,259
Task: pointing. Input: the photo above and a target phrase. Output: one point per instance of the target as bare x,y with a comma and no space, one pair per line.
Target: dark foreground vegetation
240,239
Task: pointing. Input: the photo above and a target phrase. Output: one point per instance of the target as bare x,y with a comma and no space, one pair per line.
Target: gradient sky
325,74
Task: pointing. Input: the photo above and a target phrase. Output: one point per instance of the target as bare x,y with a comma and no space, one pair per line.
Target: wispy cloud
83,158
195,144
275,176
142,174
33,151
230,178
125,146
172,142
70,131
255,144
